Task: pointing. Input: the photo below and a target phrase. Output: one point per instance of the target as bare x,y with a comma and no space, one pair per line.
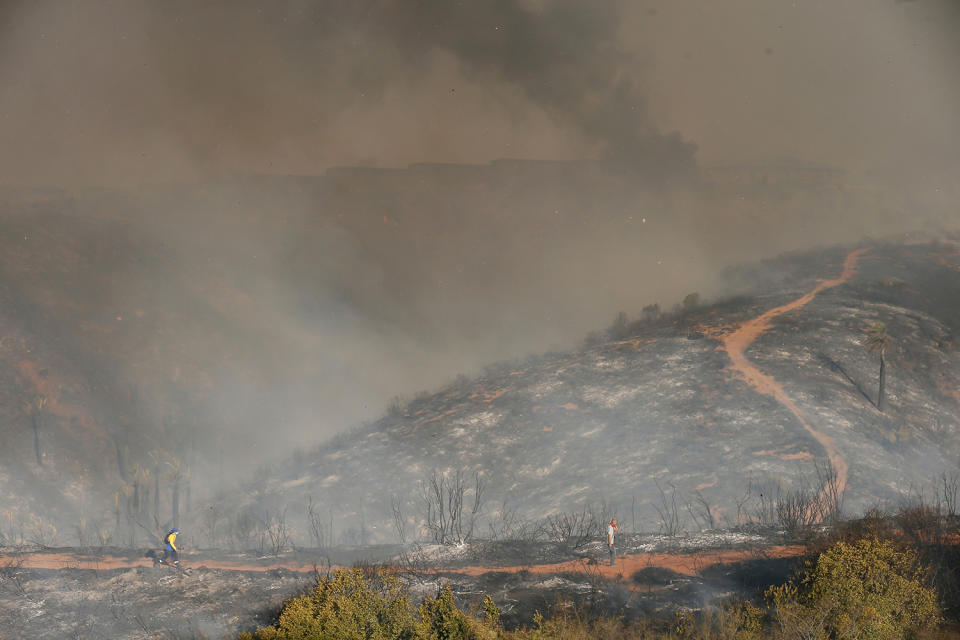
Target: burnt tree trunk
156,492
35,419
881,395
175,499
121,468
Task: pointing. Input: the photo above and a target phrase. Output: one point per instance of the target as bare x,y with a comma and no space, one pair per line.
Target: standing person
170,547
612,529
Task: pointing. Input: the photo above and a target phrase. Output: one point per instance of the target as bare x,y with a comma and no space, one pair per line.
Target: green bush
353,605
348,606
441,619
866,590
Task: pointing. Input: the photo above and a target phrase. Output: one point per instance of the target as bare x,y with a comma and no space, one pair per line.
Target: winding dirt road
736,342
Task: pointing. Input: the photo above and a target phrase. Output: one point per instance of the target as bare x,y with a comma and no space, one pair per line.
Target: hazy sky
126,91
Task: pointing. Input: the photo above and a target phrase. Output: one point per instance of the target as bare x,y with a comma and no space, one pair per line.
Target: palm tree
877,342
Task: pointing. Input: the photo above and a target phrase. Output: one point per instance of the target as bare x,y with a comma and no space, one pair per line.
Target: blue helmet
174,530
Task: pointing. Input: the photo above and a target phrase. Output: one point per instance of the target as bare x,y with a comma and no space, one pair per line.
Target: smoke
300,307
146,93
137,92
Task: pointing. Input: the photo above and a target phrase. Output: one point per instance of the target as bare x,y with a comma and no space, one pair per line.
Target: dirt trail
689,564
41,560
736,342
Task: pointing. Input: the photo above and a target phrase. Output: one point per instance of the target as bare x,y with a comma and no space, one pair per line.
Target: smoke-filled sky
121,92
125,94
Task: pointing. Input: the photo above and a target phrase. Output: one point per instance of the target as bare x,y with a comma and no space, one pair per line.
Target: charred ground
646,422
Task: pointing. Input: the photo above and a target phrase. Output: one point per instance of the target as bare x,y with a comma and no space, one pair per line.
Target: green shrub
358,605
441,619
861,590
866,590
348,606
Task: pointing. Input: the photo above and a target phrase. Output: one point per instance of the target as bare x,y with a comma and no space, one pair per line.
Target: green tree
877,342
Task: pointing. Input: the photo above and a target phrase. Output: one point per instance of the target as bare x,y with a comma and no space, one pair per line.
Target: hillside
158,342
730,405
142,359
669,415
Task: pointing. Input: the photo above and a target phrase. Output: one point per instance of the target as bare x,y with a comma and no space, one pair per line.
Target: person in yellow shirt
170,547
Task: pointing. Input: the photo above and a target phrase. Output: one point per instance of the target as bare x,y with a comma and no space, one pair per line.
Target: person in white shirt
612,529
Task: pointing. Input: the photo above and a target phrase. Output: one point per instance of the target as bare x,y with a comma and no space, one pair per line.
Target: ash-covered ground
115,593
651,422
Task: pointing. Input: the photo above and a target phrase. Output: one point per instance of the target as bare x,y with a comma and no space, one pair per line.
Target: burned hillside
157,339
660,414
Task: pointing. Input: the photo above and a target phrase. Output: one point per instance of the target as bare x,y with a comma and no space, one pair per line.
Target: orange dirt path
689,564
79,561
736,342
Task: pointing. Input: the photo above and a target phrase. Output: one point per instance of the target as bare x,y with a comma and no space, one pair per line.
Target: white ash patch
296,483
593,431
671,382
609,398
33,608
545,388
502,443
718,539
436,553
676,357
556,582
563,499
545,471
785,353
712,539
329,480
482,419
608,365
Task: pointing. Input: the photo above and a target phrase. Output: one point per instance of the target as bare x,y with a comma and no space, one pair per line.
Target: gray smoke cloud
176,89
300,308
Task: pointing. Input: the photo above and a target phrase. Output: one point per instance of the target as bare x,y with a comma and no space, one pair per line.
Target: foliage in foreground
353,606
865,590
862,590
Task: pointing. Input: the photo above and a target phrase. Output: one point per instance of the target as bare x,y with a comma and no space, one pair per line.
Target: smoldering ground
299,309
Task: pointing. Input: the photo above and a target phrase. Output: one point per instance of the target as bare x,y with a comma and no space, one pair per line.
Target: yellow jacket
171,540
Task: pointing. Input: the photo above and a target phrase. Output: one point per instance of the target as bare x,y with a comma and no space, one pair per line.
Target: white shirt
610,530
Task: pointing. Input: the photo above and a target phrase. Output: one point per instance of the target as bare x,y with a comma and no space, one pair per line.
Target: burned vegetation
724,478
